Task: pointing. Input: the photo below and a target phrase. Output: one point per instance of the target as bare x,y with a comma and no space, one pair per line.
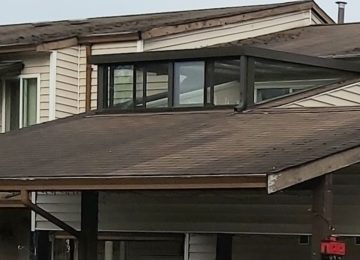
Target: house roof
149,25
176,145
335,40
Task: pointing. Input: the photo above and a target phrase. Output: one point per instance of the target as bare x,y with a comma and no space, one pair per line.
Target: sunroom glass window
275,78
121,94
189,84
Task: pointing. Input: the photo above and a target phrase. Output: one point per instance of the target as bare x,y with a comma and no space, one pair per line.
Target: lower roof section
179,150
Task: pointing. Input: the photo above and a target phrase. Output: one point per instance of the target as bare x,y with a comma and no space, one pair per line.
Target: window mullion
171,84
144,86
21,105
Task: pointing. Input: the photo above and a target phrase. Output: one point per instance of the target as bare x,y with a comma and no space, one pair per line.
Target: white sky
47,10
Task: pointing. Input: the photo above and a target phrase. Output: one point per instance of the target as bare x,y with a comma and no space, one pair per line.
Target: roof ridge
271,5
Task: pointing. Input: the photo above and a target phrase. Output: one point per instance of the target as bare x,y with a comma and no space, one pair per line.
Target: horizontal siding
345,96
315,19
228,33
202,247
114,48
243,211
67,82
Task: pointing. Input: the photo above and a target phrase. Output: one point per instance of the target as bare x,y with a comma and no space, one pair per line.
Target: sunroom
210,78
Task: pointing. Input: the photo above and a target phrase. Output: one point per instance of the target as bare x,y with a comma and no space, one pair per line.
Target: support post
89,226
224,247
43,245
322,213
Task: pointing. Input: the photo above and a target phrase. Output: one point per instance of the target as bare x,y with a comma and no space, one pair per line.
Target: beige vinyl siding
315,19
228,33
344,96
67,82
114,48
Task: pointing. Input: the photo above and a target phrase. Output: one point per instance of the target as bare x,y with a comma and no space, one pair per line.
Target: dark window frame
246,55
106,82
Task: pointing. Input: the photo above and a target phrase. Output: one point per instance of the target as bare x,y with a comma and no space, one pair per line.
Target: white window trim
21,78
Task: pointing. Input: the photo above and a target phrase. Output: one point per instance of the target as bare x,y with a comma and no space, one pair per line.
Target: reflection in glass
29,101
275,78
226,82
157,85
189,83
121,93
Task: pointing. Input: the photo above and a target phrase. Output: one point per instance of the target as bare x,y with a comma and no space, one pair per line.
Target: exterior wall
15,234
114,48
202,247
315,19
344,96
37,64
67,82
228,33
243,211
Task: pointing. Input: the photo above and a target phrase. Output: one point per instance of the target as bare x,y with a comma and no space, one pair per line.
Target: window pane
12,104
29,101
274,78
121,93
157,87
227,82
189,83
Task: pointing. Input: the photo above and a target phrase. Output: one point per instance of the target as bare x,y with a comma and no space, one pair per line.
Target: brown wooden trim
292,176
109,38
11,48
88,79
150,183
226,19
60,44
27,202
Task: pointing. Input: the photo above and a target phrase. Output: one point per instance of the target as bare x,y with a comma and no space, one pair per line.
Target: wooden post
89,226
322,213
224,247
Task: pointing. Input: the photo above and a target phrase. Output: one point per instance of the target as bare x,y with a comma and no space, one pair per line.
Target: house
45,70
241,149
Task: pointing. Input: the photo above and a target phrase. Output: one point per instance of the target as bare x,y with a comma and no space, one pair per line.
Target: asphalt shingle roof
211,143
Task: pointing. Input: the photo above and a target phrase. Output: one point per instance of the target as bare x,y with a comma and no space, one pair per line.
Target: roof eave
241,181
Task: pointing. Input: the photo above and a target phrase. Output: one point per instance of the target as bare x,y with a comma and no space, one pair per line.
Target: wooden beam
322,213
141,183
89,225
27,202
59,44
290,177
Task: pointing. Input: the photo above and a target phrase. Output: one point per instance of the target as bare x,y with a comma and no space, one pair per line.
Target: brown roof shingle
212,143
36,33
316,40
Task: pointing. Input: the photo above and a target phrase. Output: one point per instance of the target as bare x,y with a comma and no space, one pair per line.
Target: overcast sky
47,10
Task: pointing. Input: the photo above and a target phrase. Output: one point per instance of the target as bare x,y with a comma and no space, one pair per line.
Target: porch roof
198,149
